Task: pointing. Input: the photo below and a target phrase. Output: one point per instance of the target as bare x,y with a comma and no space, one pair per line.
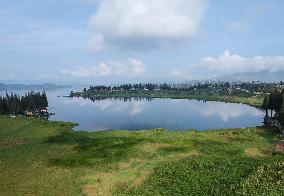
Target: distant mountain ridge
264,76
46,86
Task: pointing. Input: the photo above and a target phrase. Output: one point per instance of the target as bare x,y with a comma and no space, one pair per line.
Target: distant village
247,89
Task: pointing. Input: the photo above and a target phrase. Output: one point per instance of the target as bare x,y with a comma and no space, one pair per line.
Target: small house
29,114
43,110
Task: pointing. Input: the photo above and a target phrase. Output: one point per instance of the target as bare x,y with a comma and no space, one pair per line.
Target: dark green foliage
19,104
221,88
281,114
251,93
210,176
275,102
92,151
265,105
268,179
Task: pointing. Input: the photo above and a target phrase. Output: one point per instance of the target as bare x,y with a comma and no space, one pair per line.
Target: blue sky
93,41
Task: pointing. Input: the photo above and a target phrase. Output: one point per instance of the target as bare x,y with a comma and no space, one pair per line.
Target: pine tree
265,104
14,103
44,100
275,101
281,114
1,106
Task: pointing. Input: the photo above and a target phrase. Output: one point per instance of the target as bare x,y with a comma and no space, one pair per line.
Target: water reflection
142,113
125,99
115,105
229,111
136,114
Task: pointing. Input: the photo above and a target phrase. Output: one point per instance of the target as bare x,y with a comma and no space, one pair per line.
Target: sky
116,41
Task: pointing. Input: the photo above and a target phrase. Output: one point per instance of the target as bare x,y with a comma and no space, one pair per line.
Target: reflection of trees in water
124,99
133,105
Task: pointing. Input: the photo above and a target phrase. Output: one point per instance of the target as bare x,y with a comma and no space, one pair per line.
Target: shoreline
251,101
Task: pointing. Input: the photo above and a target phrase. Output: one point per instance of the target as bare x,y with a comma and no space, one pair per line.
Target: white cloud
141,23
96,43
130,67
177,72
229,63
80,71
137,67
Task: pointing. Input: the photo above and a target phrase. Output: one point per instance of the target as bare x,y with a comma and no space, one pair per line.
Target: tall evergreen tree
281,114
44,102
1,106
265,104
14,103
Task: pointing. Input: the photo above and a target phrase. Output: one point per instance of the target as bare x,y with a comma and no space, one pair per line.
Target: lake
138,114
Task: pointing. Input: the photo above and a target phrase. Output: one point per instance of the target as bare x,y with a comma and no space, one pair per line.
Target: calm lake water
137,114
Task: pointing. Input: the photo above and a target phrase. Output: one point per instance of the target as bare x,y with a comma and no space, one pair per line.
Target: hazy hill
264,76
46,86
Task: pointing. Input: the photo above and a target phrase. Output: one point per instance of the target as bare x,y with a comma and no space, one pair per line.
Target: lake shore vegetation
20,105
275,103
251,93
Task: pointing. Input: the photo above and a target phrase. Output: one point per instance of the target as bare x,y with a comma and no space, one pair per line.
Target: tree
44,102
18,104
281,114
1,106
275,101
265,104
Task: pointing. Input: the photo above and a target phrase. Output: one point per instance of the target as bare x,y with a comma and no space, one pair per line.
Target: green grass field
48,158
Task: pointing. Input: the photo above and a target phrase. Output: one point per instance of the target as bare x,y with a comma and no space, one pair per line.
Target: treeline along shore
251,93
30,104
274,102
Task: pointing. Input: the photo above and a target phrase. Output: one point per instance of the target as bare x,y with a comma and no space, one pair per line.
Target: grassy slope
253,101
43,158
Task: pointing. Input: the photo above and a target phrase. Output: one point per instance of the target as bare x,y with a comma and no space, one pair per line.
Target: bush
196,176
266,180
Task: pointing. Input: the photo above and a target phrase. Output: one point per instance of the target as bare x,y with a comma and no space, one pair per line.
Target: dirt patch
128,165
253,152
11,142
150,147
102,183
280,146
189,154
89,190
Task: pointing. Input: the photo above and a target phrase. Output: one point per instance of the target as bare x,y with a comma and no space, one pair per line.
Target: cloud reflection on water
229,111
131,107
106,114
